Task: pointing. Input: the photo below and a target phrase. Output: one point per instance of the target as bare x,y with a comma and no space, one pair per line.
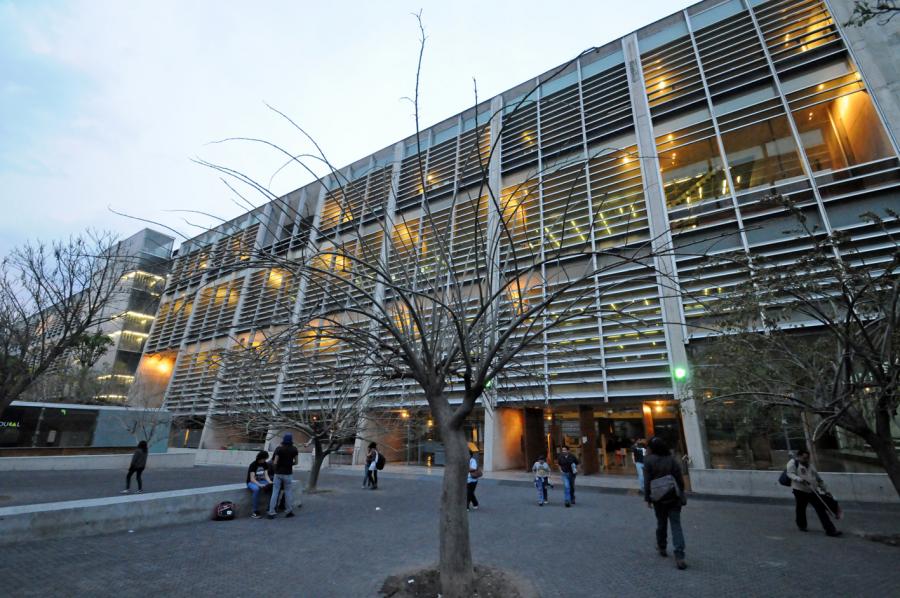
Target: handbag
662,487
476,473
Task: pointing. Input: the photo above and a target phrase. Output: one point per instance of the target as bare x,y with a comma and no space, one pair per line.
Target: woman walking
138,463
371,480
664,492
472,481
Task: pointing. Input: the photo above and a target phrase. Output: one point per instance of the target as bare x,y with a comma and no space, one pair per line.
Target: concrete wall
860,487
116,514
81,462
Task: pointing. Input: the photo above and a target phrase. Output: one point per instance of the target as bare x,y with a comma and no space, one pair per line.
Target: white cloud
164,78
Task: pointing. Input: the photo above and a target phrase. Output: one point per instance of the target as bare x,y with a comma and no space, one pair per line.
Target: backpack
784,479
379,463
224,511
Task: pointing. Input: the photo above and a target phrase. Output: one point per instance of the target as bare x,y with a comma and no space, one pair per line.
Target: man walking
284,458
568,466
805,482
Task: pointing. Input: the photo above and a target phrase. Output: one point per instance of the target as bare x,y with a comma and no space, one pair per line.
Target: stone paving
345,541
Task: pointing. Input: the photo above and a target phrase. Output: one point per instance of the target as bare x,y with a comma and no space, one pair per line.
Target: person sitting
258,479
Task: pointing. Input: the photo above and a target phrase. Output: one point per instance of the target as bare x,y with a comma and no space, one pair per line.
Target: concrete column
661,243
534,442
589,461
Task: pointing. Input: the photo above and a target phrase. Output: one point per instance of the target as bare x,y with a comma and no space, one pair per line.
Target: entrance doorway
602,435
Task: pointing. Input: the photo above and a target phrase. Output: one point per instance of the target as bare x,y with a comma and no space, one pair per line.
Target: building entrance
601,436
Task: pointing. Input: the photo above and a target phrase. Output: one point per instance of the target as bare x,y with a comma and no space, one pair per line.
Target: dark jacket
139,459
656,467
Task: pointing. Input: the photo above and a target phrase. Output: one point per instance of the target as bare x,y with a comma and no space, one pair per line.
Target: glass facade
698,119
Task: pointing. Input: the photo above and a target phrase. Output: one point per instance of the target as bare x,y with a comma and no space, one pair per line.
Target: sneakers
125,492
289,515
662,552
680,564
270,516
541,504
568,504
254,515
475,507
835,534
140,491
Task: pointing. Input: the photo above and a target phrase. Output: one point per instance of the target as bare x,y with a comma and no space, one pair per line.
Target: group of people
275,476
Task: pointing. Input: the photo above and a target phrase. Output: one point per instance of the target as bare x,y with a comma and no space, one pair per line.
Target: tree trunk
887,454
456,571
318,459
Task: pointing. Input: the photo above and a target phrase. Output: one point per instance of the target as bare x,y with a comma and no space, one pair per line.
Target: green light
489,384
680,373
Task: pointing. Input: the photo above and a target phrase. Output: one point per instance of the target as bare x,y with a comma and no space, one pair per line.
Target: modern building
126,319
681,130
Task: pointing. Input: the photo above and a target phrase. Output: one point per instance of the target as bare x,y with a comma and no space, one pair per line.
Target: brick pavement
345,541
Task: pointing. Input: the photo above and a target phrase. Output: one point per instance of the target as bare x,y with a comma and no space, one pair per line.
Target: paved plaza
346,540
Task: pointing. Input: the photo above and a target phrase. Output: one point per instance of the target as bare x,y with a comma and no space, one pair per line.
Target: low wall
116,514
243,458
860,487
81,462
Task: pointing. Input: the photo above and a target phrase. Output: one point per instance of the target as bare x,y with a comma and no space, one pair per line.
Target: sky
106,105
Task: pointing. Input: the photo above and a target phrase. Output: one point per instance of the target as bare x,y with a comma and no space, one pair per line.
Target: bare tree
332,412
453,302
51,298
819,336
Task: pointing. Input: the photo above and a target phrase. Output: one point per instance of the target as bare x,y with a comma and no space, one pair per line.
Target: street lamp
405,415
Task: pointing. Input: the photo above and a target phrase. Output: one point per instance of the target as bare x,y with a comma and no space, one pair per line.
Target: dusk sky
103,104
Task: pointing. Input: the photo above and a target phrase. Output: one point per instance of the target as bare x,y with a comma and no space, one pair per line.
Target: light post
405,415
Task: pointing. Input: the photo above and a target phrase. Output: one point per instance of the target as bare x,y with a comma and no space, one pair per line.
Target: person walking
568,466
258,479
284,458
541,470
138,463
637,455
472,480
664,492
371,480
807,487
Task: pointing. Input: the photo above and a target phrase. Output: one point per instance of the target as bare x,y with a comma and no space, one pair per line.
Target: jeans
541,485
372,478
569,485
470,494
255,488
669,513
806,498
640,471
132,471
286,481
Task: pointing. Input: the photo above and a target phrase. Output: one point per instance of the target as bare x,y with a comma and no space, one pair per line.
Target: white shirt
473,464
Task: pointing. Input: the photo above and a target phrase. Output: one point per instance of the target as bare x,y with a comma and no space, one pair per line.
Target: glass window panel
598,66
826,72
731,103
692,173
671,32
669,125
762,154
716,14
842,132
